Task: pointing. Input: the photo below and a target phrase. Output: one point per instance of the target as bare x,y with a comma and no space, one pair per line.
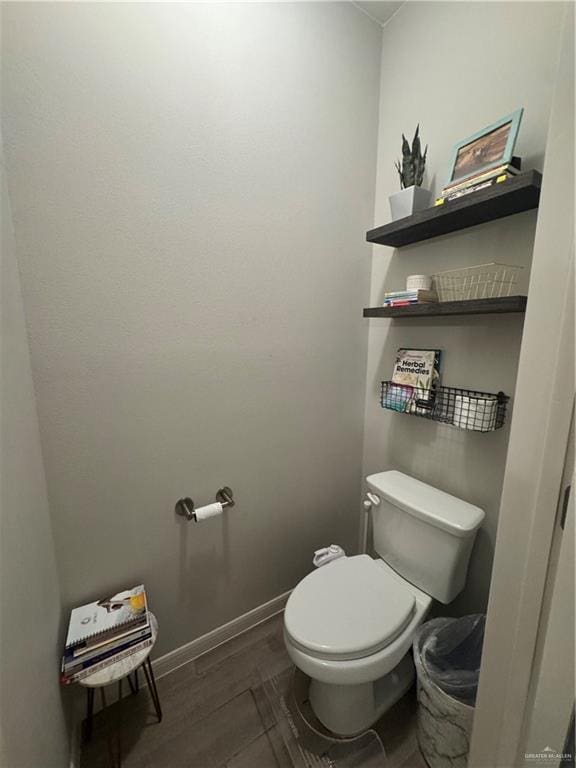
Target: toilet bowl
349,625
351,642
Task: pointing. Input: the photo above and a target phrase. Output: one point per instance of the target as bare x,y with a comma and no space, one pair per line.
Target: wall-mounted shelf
462,408
515,195
445,308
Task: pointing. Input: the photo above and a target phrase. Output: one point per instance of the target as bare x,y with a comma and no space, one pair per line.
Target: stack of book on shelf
102,633
481,180
405,298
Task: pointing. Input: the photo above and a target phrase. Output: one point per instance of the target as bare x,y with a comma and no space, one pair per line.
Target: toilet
349,625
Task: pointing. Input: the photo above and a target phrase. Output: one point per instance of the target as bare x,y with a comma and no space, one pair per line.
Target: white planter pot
408,201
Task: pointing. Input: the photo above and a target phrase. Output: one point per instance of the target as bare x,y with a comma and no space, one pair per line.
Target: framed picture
486,149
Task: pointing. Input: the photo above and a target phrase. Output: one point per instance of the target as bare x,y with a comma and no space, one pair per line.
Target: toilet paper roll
474,413
210,510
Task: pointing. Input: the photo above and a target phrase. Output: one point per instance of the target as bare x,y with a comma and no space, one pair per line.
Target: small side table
116,672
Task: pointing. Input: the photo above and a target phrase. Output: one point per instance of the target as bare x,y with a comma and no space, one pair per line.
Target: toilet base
350,709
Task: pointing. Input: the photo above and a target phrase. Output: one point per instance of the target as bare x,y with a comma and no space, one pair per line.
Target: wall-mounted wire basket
483,281
462,408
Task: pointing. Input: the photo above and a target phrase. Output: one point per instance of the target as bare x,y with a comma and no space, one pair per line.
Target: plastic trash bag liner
450,652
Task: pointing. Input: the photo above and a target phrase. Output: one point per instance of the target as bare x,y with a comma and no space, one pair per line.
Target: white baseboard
192,650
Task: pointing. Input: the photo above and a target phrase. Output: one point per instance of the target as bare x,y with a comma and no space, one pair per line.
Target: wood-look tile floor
211,718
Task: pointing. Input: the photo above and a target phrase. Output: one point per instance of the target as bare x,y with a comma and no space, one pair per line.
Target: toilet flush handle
371,500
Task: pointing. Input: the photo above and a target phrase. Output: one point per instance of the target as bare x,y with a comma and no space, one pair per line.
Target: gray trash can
447,654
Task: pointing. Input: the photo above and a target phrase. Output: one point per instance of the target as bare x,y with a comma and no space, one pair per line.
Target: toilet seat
349,609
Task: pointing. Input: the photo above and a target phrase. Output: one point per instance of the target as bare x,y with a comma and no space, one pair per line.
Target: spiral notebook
108,617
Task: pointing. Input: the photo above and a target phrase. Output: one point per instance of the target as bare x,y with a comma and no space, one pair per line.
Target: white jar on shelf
418,283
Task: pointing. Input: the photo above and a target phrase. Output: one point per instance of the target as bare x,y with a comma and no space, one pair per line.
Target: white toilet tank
426,535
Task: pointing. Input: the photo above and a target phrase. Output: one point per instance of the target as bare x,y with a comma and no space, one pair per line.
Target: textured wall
467,64
32,726
191,184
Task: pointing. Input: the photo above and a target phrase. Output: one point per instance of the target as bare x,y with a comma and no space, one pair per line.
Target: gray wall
32,725
466,65
190,186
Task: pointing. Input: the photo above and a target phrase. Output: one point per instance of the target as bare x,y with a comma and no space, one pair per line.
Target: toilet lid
348,609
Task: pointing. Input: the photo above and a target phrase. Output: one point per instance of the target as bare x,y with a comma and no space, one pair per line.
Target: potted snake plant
412,197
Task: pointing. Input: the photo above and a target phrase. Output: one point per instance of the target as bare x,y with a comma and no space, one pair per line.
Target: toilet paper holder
185,507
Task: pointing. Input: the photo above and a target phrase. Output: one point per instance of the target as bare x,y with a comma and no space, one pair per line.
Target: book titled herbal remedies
417,374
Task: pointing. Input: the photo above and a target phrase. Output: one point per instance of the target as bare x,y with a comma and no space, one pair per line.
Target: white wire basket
483,281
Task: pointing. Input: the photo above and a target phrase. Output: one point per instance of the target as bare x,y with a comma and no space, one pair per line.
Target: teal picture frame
514,119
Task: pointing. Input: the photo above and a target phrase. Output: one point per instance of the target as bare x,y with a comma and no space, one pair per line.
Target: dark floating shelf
436,309
521,193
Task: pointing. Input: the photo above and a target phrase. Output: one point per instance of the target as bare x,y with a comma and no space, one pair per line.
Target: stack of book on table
480,181
103,632
406,298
